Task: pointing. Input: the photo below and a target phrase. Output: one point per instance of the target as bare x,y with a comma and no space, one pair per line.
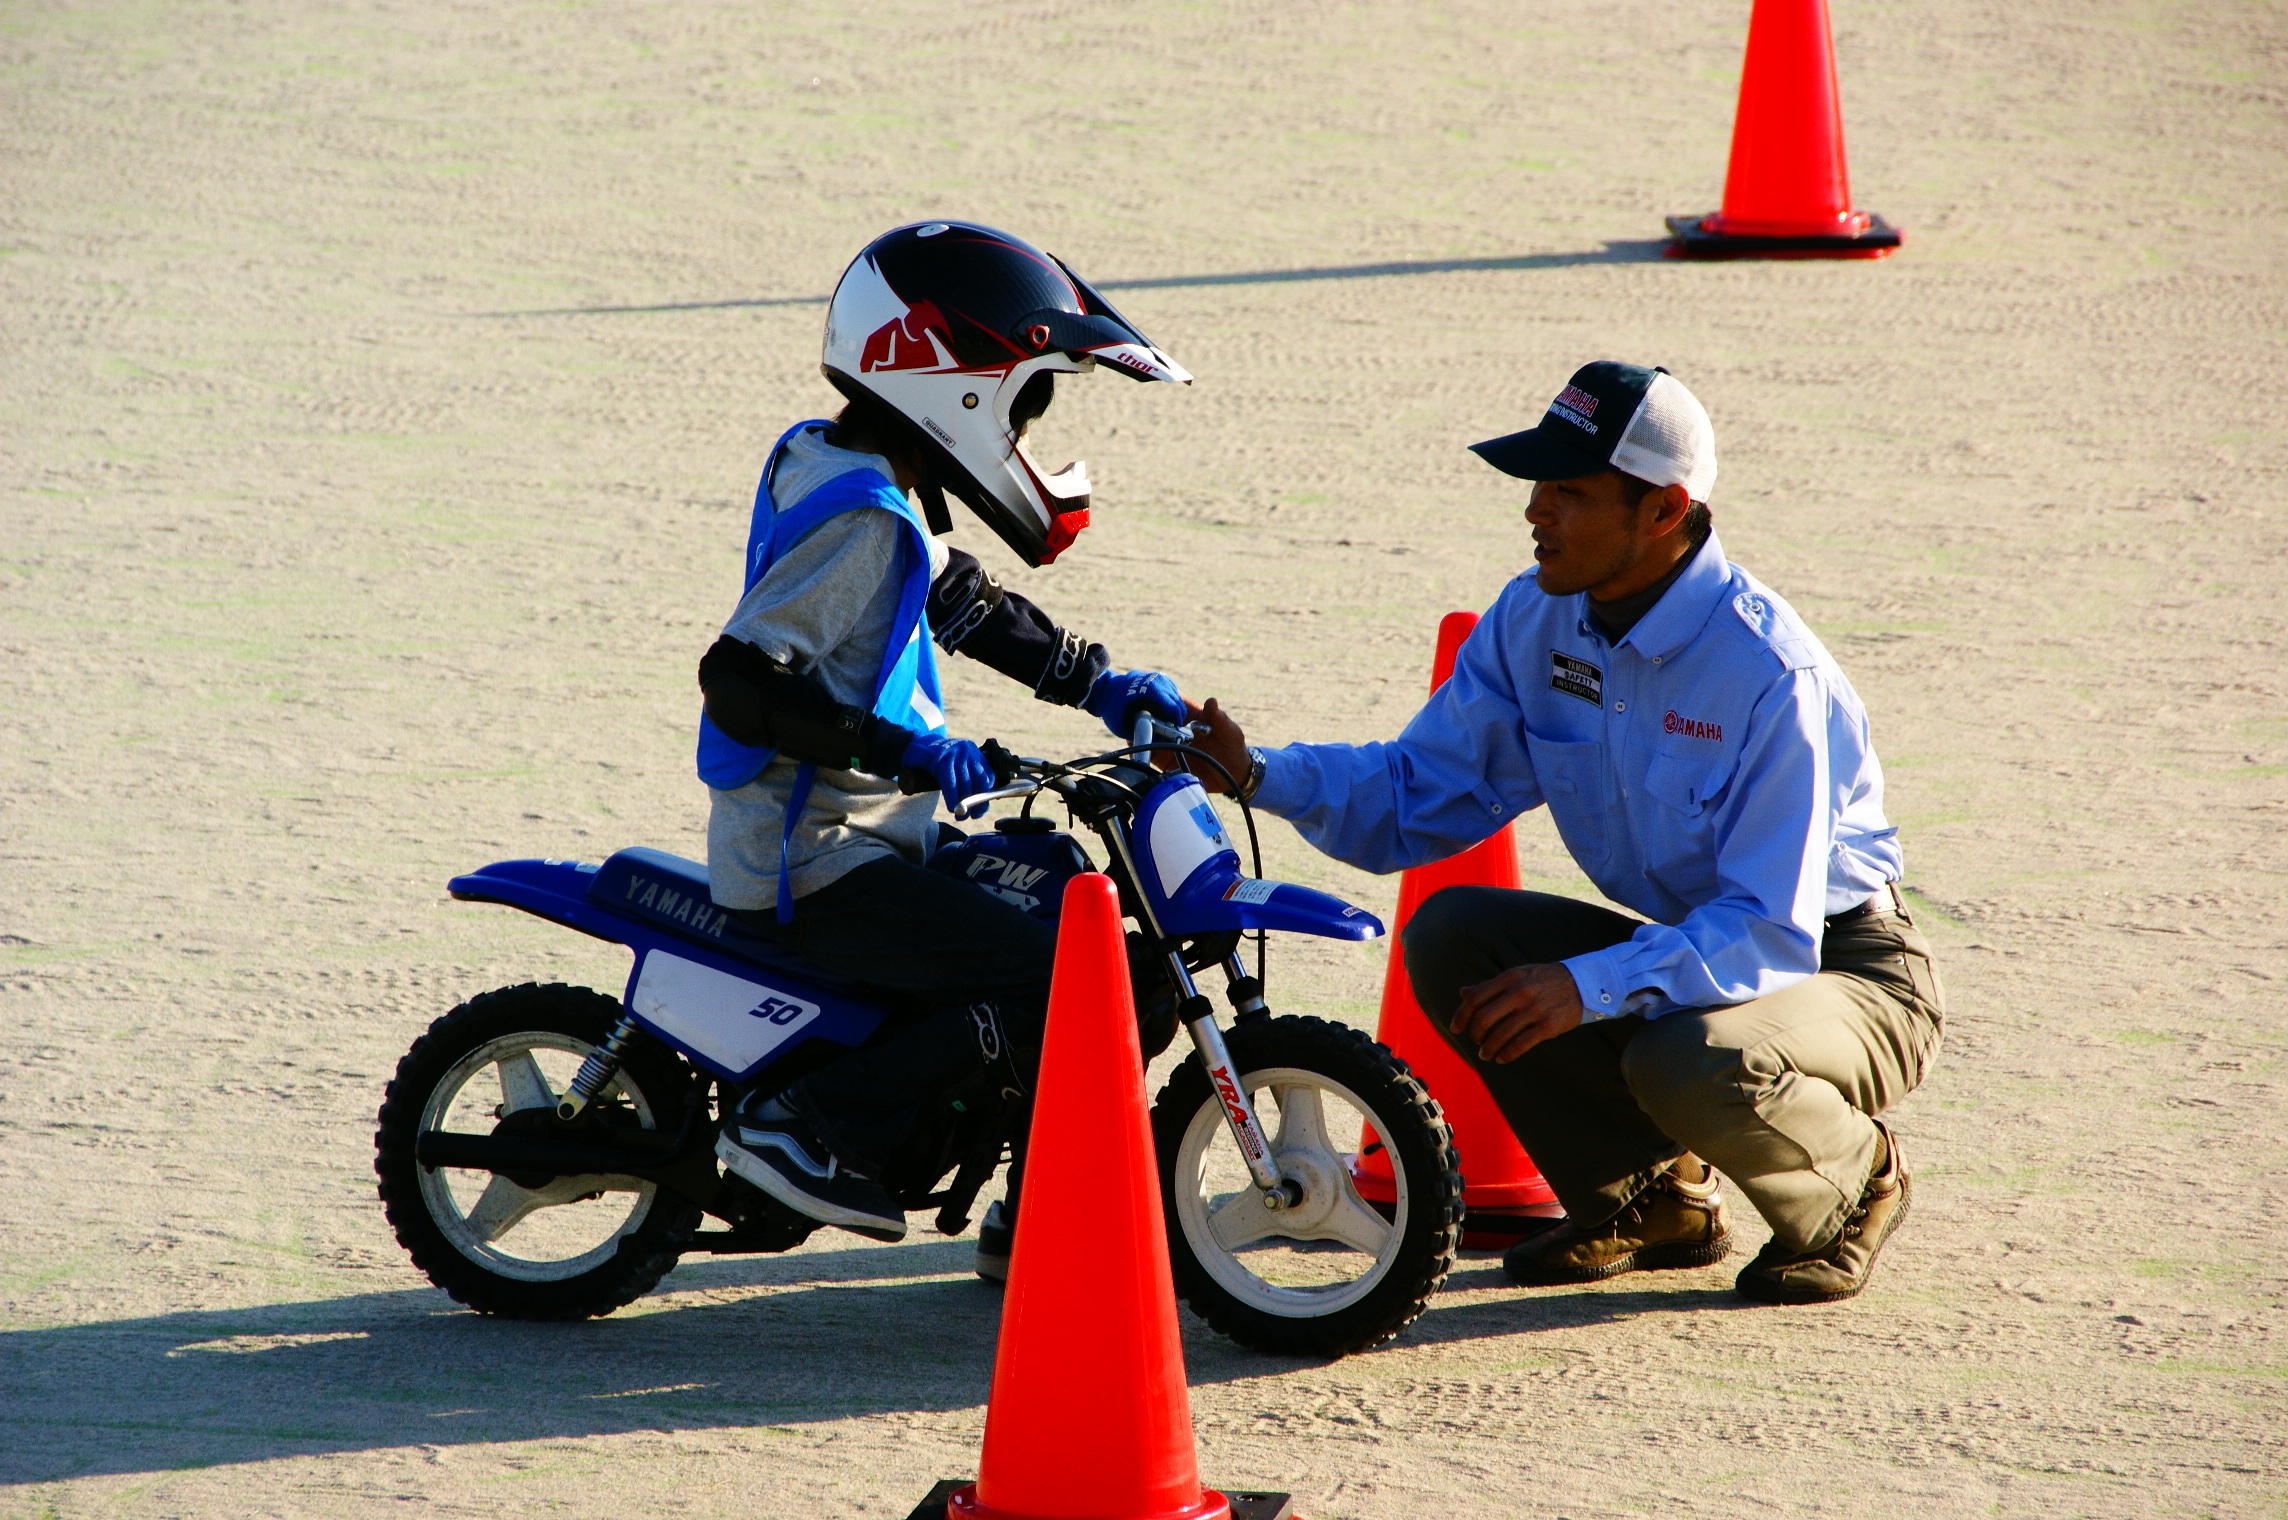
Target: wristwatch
1254,777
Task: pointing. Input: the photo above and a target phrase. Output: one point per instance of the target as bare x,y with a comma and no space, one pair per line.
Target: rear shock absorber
596,1072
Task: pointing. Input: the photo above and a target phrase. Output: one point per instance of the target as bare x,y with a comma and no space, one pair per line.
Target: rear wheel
544,1248
1331,1273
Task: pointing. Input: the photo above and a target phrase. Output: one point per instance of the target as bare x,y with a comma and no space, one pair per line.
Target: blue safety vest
906,688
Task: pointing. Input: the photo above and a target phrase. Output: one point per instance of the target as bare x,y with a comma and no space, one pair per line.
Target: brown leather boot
1676,1222
1842,1266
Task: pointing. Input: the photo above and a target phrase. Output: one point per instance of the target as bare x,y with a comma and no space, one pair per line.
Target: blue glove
957,766
1119,695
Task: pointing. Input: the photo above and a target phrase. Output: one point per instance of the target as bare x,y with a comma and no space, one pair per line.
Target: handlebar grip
914,781
1004,762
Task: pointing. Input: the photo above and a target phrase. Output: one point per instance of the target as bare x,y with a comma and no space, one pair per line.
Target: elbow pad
758,701
962,599
971,613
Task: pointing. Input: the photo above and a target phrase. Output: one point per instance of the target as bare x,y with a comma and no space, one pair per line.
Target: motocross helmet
958,329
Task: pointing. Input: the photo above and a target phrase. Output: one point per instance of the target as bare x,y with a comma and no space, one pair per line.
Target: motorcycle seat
669,892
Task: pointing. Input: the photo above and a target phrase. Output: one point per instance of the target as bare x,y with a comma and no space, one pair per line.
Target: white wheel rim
1222,1216
560,1229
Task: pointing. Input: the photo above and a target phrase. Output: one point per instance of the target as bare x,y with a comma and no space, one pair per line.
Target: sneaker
1840,1268
996,1234
783,1156
1677,1222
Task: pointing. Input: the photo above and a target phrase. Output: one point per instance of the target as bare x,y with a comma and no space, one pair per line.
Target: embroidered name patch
1691,728
1576,678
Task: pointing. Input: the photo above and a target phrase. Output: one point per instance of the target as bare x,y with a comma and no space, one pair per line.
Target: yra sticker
1576,678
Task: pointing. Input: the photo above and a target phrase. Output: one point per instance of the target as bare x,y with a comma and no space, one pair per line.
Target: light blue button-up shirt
1711,770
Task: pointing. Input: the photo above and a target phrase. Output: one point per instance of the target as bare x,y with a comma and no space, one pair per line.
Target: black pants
973,967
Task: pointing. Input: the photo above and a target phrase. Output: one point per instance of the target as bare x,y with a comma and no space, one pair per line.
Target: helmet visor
1100,336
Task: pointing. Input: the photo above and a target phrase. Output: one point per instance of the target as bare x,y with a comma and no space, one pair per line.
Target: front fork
1199,1019
1238,1111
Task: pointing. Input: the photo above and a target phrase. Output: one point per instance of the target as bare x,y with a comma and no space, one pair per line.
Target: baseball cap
1620,417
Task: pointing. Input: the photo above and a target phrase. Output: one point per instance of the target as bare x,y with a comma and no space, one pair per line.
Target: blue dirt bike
548,1152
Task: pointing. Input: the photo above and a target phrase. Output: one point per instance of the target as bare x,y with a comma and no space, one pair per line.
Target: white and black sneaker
781,1153
996,1234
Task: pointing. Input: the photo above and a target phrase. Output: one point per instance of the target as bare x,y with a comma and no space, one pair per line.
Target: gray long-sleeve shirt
824,607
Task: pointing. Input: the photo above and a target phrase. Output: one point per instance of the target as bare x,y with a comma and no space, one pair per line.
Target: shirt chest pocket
1571,774
1676,835
1687,785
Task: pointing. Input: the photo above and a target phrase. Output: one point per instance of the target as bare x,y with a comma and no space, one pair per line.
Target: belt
1884,901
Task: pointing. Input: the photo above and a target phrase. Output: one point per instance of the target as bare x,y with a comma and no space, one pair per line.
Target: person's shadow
750,1341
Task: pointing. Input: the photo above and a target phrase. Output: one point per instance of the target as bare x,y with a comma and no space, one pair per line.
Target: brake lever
1150,730
1006,763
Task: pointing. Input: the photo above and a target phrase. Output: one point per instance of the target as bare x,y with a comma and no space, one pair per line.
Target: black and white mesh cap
1615,416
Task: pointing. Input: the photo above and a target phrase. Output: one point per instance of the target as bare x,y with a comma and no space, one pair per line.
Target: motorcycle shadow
741,1342
812,1336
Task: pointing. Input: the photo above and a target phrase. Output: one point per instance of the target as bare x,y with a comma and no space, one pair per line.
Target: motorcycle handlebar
1021,775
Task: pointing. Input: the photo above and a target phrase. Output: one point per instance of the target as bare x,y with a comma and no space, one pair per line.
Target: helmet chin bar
1063,529
1066,490
1066,494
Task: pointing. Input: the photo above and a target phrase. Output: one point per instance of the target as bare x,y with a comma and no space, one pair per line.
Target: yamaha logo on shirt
1576,678
1691,728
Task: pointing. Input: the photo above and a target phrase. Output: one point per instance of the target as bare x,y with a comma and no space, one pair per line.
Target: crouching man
1707,765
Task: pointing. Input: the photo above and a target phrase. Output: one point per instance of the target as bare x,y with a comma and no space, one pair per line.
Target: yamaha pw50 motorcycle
548,1152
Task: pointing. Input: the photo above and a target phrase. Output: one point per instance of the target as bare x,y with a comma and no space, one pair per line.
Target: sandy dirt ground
381,390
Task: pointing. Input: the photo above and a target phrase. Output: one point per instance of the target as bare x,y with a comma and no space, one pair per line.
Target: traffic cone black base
1244,1506
1704,237
1499,1229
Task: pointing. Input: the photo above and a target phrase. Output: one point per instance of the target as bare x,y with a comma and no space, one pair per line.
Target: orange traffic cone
1501,1187
1090,1414
1786,193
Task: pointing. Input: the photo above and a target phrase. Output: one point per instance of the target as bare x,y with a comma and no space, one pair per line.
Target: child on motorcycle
944,338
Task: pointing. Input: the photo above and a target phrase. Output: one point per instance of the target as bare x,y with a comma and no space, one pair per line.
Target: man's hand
1222,738
1515,1011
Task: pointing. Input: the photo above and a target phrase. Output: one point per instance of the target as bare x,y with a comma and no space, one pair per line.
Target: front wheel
1331,1273
542,1248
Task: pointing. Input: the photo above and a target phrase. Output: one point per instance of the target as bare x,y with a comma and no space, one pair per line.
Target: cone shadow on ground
1626,251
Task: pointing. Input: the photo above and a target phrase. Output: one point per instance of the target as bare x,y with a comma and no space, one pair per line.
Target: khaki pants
1776,1094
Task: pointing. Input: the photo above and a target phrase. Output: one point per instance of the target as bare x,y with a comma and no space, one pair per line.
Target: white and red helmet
958,328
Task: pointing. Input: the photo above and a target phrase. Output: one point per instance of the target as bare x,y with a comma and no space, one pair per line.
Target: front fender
1191,873
1226,899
